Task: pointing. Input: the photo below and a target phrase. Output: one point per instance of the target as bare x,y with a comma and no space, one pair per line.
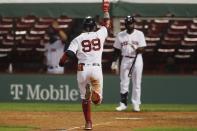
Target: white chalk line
128,118
94,125
56,130
101,124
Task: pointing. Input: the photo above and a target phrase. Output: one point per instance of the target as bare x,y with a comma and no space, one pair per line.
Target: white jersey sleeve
128,43
73,46
102,32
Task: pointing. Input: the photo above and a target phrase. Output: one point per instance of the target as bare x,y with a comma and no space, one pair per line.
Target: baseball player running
88,48
128,43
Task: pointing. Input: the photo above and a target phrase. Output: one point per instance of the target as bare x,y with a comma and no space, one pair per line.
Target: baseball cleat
88,126
136,108
88,92
121,107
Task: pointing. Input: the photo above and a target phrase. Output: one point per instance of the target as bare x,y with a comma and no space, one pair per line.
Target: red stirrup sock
86,105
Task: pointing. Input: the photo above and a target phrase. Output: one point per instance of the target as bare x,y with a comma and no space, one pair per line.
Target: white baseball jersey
53,53
128,43
88,48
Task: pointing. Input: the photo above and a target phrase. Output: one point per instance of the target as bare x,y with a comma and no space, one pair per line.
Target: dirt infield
102,121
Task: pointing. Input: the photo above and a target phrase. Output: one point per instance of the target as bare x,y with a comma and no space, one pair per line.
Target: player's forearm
71,54
116,54
67,56
106,17
63,35
106,20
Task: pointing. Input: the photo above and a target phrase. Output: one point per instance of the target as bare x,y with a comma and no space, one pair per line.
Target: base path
102,121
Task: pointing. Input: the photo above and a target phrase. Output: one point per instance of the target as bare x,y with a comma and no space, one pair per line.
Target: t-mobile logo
16,90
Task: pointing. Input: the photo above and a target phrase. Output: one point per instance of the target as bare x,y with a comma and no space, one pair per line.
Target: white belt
90,64
52,67
129,56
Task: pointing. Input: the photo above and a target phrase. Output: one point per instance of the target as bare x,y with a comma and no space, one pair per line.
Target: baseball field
69,117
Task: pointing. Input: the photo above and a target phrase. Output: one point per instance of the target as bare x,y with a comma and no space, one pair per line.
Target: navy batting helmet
129,20
129,23
89,24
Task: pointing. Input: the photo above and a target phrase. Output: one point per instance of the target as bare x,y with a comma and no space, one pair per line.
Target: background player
88,48
127,44
54,49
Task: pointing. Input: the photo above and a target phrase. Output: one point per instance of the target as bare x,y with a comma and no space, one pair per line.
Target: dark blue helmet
129,23
89,24
129,20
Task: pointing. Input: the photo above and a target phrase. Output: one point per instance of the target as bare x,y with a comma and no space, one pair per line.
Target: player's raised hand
106,5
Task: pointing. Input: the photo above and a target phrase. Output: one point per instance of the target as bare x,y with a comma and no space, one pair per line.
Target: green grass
103,107
15,128
165,129
39,107
170,107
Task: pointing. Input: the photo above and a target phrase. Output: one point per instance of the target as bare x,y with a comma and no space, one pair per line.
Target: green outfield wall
80,10
63,88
